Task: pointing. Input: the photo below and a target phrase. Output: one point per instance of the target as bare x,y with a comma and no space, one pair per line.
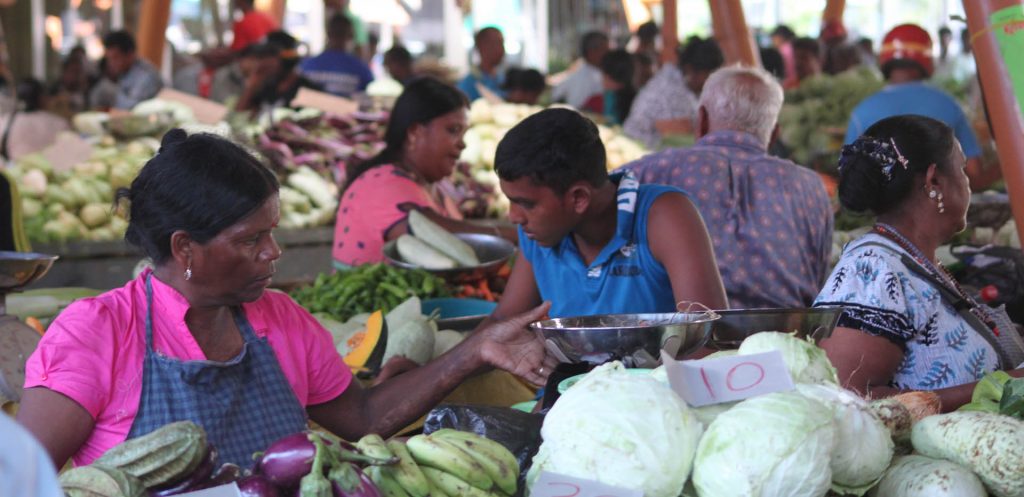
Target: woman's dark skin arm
394,404
60,424
866,363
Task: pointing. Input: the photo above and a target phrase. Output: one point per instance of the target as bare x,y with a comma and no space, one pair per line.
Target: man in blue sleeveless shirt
592,243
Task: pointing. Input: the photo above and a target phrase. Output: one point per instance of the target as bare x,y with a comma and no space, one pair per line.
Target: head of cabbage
864,446
807,363
621,429
770,445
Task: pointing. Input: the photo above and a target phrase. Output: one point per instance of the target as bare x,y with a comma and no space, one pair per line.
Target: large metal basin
735,325
635,339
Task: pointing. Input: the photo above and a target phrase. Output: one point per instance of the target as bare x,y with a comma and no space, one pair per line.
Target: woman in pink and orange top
199,338
423,143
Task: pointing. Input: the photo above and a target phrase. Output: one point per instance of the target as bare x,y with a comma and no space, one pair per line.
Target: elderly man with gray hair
770,220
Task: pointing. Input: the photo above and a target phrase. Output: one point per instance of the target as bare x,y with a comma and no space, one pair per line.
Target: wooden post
152,30
669,32
732,33
1001,102
834,11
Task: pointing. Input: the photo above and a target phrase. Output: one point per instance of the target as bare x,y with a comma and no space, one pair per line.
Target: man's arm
680,241
520,293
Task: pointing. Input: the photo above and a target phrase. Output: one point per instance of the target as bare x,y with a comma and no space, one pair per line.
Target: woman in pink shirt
199,338
424,141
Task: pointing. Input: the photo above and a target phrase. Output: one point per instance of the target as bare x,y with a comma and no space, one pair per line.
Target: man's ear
774,136
703,122
578,196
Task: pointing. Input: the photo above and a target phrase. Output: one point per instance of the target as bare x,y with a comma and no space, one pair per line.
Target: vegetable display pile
64,205
368,340
818,439
177,459
814,118
324,142
365,288
77,203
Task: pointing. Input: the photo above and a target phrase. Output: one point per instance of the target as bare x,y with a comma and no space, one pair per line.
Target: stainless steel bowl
493,252
18,269
635,339
736,325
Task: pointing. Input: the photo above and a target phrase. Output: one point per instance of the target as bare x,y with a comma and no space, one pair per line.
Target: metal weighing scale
17,340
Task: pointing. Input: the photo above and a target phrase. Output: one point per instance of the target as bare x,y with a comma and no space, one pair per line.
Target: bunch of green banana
447,463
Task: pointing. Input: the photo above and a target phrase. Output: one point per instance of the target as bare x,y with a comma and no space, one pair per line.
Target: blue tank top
624,278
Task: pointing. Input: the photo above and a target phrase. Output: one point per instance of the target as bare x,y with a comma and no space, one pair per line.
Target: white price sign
727,379
556,485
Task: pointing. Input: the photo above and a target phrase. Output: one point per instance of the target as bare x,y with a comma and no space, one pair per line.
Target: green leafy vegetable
367,288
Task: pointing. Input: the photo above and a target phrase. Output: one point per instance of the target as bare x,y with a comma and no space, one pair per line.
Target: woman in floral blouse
907,324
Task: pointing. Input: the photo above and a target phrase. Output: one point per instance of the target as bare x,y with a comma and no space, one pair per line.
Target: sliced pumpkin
367,346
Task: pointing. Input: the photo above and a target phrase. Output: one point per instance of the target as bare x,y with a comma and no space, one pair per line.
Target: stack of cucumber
432,247
444,463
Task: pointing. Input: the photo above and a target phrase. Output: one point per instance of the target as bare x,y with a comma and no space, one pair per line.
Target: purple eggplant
194,480
348,481
287,460
225,474
257,486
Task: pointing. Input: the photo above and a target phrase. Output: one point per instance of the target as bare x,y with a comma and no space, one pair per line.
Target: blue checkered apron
244,404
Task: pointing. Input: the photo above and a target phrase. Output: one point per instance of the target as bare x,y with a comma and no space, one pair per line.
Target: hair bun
172,137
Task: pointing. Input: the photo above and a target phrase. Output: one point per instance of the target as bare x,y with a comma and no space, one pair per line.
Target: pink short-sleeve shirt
371,206
93,353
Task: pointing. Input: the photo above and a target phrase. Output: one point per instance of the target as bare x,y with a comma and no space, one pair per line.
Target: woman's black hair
524,79
423,100
200,184
555,148
877,182
618,65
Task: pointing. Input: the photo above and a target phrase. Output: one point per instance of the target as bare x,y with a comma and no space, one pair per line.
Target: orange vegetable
36,324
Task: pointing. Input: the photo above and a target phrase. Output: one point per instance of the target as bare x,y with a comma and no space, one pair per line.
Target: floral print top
884,298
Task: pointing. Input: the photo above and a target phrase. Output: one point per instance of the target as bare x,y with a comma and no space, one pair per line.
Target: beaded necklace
937,270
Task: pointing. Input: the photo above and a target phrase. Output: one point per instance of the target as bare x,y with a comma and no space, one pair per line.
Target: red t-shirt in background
251,28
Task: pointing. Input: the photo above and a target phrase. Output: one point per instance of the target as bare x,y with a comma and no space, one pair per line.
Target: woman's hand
509,345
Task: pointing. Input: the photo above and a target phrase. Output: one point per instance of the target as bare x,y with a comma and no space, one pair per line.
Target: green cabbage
621,429
864,447
772,445
807,362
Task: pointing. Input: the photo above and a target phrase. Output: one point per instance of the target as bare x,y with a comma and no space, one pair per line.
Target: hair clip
886,154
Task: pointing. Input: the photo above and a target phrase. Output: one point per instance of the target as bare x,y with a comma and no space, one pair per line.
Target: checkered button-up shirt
770,220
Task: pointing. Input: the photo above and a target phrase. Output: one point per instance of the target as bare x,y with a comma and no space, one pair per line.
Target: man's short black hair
479,36
784,32
399,54
339,27
121,40
554,148
592,40
261,51
647,31
702,54
809,45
